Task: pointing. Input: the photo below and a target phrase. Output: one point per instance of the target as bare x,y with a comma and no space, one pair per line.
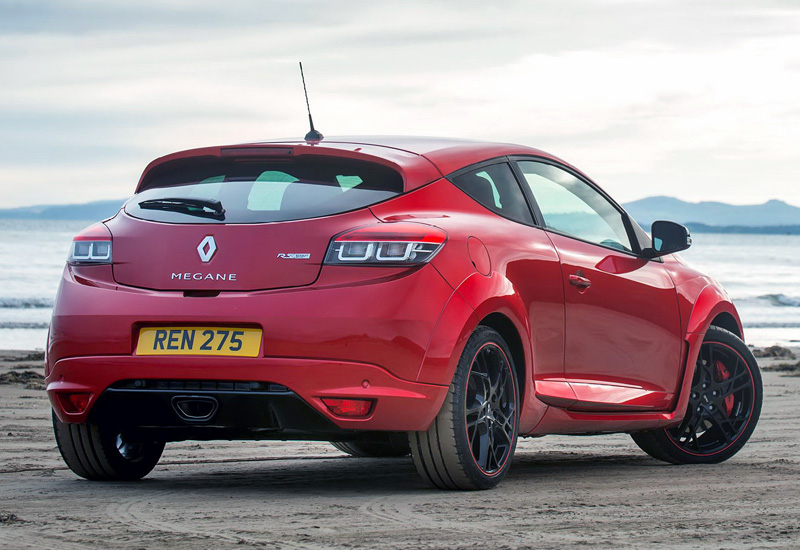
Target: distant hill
771,217
771,213
98,210
746,229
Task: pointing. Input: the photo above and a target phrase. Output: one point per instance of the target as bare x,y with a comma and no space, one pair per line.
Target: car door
622,325
523,253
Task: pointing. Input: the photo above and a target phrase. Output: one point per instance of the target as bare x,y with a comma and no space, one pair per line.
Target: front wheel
103,453
471,442
724,406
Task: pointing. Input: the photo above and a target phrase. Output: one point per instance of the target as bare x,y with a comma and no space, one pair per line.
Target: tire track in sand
144,513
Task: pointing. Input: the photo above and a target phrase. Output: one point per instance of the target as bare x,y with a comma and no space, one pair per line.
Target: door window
573,207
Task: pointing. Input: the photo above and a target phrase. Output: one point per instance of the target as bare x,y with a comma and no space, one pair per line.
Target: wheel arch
479,300
713,307
499,306
727,321
506,328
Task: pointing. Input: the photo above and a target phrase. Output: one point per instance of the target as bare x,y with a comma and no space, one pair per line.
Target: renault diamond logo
207,248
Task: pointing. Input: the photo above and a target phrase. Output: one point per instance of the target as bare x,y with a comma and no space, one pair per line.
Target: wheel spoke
693,438
720,423
735,384
476,406
500,382
502,431
491,409
685,422
498,454
697,425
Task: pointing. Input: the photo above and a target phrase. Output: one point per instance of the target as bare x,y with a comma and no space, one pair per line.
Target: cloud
696,99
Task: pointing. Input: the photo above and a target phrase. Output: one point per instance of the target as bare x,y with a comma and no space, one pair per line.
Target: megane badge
207,248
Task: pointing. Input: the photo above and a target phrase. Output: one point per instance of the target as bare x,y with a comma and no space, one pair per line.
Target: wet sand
562,492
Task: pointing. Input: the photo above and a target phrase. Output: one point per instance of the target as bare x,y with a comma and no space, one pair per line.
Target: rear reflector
74,403
349,407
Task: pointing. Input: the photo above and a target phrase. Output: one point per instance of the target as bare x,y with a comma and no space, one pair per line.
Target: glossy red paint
617,355
247,256
623,353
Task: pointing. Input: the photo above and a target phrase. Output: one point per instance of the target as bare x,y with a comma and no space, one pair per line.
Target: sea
760,272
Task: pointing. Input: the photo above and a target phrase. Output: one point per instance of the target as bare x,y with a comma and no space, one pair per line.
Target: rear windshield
214,190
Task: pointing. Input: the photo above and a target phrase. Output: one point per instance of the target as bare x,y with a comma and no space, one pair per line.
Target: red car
390,295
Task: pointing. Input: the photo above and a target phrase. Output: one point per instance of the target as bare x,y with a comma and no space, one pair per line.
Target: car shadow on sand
340,476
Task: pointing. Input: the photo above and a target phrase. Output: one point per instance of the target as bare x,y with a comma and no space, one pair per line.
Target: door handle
579,280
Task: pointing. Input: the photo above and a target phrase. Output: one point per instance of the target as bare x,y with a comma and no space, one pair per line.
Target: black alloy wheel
724,406
471,442
491,409
720,404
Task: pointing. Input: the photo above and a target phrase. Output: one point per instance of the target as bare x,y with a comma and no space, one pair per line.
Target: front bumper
297,412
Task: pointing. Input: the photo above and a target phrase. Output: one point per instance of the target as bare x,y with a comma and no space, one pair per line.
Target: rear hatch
236,224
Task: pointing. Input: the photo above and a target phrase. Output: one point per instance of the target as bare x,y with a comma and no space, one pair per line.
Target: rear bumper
294,411
377,316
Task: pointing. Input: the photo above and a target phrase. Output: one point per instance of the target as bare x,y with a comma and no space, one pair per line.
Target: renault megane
428,296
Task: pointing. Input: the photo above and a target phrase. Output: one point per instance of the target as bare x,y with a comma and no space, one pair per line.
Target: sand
562,492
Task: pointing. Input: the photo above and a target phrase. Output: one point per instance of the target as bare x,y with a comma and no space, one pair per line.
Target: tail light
400,243
91,246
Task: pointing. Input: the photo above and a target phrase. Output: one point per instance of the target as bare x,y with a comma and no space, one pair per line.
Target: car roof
420,160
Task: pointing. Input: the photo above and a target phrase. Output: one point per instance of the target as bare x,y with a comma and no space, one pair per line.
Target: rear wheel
471,442
724,406
392,445
103,453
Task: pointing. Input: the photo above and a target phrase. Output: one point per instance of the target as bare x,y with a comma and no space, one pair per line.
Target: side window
496,188
573,207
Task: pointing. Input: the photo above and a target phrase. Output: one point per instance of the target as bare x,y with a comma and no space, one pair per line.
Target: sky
697,99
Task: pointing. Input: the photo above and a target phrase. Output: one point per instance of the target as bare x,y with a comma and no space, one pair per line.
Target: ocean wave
22,324
775,300
780,300
773,325
26,303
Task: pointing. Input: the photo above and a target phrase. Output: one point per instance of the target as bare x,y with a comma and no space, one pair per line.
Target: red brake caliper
723,375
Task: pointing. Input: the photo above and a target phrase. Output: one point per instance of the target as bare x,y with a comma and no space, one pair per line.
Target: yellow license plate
240,342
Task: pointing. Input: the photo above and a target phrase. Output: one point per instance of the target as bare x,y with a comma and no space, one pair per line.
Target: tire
724,406
393,445
471,442
100,453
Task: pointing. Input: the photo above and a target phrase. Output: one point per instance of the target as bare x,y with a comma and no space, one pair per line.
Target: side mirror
668,237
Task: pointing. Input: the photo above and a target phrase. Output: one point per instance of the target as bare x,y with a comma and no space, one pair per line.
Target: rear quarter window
496,188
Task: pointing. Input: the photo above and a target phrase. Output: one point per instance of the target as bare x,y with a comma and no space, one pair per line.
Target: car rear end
249,292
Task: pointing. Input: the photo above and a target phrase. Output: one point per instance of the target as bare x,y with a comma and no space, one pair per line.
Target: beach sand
598,492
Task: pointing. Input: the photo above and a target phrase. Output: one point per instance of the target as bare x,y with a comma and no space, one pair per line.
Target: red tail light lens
401,243
91,246
352,408
74,403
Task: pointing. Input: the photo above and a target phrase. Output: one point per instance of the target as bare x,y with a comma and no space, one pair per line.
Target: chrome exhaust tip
195,408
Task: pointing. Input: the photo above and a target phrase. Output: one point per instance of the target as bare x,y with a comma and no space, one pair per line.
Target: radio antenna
312,135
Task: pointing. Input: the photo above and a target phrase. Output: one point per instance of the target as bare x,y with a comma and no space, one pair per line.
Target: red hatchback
390,295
